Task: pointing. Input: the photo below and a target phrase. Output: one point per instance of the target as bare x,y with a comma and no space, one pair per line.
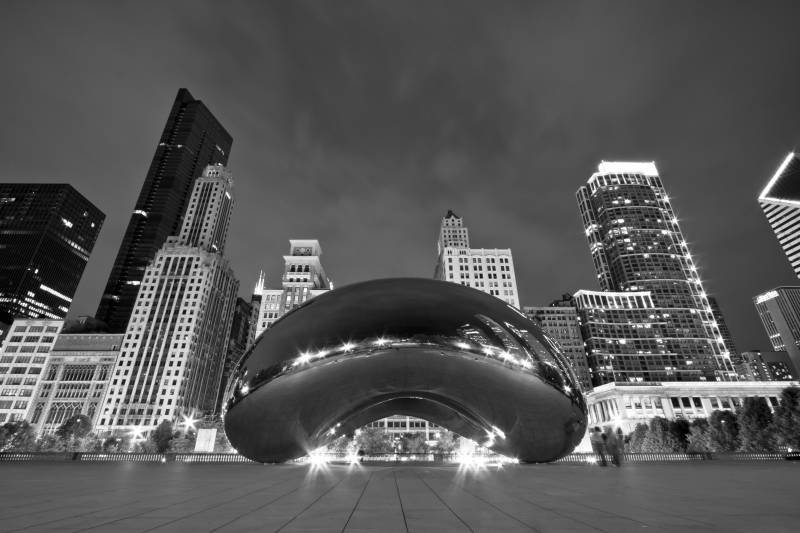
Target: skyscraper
490,270
174,349
192,139
303,279
637,246
779,310
47,232
724,330
560,322
780,201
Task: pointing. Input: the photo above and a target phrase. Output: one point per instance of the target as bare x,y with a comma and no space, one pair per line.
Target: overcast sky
361,123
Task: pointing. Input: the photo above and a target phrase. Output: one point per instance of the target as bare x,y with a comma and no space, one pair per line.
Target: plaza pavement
123,497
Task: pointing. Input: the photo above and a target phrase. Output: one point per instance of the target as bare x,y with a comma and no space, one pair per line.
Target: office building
766,366
780,201
779,310
490,270
560,322
637,246
624,405
237,344
191,140
23,357
724,330
47,232
303,278
173,353
75,379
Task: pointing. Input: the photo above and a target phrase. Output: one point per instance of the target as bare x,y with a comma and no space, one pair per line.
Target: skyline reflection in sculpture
455,356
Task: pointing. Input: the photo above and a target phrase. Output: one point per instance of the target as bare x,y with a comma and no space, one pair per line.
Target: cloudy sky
361,123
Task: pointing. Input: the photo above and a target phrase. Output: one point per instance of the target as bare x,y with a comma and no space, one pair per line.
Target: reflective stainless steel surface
450,354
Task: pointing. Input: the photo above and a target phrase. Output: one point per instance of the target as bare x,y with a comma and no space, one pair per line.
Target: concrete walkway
705,496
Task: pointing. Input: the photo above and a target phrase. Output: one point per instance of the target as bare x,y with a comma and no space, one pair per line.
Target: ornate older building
174,349
303,278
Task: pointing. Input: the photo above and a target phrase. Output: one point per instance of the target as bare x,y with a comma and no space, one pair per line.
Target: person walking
596,437
614,445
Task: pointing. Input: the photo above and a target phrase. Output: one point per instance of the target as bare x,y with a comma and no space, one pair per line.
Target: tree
17,436
658,438
698,440
413,443
446,442
374,441
679,430
787,418
755,426
162,436
73,430
723,432
637,438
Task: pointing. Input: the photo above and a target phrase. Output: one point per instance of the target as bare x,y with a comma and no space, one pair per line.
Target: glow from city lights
245,389
766,297
189,422
381,341
462,345
348,346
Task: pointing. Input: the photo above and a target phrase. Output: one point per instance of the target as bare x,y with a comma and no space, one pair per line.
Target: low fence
384,459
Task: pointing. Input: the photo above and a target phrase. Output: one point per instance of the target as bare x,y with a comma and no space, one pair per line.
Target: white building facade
75,379
173,352
490,270
23,358
303,279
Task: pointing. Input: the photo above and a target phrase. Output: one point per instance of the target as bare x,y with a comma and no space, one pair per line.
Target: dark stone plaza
700,496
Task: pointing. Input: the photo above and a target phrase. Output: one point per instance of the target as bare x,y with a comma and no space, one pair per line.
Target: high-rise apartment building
23,357
629,339
303,278
560,322
780,201
191,140
779,310
172,356
637,246
724,330
75,379
490,270
47,232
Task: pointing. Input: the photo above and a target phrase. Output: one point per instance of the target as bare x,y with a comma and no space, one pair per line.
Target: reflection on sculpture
455,356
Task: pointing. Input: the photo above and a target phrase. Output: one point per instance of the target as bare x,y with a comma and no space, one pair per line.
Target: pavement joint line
605,511
165,507
307,507
400,498
262,506
444,503
353,510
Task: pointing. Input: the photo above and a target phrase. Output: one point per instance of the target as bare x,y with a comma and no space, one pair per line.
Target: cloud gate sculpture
436,350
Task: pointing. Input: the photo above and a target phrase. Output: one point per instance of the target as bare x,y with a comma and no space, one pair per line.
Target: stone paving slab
713,496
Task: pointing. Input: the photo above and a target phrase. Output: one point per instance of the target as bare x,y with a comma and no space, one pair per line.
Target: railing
389,458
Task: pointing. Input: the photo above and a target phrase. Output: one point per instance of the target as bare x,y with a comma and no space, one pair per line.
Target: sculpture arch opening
452,355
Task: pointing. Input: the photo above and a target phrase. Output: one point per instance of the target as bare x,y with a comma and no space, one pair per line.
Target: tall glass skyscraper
780,201
47,232
192,139
637,246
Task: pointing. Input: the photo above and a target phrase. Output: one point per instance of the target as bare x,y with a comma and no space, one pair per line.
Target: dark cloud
361,123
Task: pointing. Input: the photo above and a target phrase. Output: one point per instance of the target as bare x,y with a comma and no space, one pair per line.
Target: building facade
47,232
779,310
724,330
637,246
74,380
23,358
303,279
780,201
624,405
237,345
191,139
490,270
173,353
560,322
